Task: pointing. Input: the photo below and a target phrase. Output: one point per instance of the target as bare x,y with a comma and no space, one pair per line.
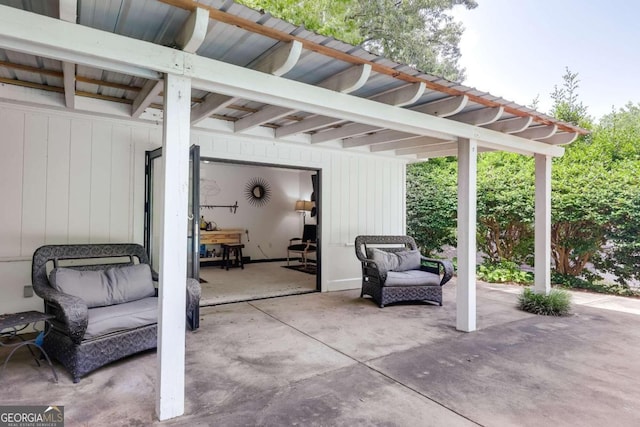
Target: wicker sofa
393,270
104,302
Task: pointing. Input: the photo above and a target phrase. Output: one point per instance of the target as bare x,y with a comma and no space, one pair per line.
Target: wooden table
218,237
227,236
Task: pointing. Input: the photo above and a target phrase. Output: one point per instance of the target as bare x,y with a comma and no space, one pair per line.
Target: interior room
255,211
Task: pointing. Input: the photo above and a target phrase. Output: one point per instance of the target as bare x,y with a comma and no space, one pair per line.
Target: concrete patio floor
335,359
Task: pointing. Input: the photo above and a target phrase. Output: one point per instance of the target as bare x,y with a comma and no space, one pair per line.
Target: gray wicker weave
66,341
373,278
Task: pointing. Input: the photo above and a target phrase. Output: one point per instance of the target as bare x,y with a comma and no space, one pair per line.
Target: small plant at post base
557,303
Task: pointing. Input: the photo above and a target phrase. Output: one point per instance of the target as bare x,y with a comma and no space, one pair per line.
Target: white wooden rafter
483,116
150,90
31,33
410,143
443,107
427,148
348,130
347,81
406,95
213,103
513,125
560,138
279,60
377,138
306,125
538,132
445,153
193,31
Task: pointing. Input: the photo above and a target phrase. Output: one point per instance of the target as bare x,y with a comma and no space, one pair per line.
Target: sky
518,49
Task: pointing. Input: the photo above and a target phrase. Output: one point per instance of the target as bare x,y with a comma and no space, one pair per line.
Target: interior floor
255,281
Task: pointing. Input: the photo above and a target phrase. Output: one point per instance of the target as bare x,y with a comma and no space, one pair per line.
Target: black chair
384,279
307,243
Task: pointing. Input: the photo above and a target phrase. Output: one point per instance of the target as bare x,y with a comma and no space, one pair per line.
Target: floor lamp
303,206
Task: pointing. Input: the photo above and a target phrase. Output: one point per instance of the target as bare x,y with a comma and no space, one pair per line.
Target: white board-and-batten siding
68,177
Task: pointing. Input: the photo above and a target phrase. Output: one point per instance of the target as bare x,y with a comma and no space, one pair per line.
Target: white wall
361,194
65,178
70,177
270,225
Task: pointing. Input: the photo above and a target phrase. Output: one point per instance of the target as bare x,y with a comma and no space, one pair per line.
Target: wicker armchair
422,281
70,340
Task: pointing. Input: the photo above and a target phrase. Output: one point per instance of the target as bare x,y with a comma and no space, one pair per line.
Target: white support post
542,281
173,248
466,287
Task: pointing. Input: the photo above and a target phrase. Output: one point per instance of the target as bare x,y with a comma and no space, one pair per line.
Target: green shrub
571,282
557,303
503,272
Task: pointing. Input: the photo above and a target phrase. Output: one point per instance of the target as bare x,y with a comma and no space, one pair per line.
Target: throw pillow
408,260
99,288
386,261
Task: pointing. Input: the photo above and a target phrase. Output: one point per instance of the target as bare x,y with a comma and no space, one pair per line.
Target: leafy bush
503,272
557,303
432,203
572,282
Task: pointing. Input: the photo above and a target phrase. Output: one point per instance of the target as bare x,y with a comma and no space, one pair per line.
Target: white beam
194,31
173,248
271,112
444,107
213,103
538,132
466,284
446,153
409,143
406,95
31,33
349,129
150,90
280,60
68,11
480,117
349,80
69,78
560,138
446,146
232,80
307,125
542,253
514,125
377,138
39,35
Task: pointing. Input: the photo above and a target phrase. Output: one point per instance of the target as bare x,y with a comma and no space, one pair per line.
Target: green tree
420,33
432,203
505,207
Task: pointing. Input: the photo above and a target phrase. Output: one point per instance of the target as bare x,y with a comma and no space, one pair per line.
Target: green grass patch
503,272
557,303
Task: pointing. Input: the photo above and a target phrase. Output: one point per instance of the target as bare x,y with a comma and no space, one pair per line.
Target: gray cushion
135,314
105,287
385,261
408,260
412,278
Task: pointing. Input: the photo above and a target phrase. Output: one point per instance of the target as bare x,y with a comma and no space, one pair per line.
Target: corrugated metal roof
159,23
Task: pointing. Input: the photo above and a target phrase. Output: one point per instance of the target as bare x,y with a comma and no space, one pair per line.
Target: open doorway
262,208
254,209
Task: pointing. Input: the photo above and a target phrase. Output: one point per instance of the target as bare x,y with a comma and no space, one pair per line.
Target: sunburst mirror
258,192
